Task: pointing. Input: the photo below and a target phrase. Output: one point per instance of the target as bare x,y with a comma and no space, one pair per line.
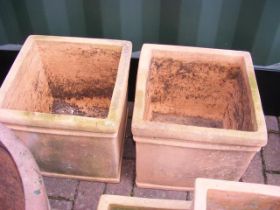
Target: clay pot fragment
21,184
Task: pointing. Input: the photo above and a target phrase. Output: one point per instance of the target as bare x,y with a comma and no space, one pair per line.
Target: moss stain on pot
49,158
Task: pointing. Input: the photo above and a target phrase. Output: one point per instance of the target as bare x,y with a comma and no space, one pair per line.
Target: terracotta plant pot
213,194
65,98
21,185
197,113
115,202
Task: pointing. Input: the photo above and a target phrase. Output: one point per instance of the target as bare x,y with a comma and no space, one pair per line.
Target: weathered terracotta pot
21,185
226,195
115,202
65,98
197,113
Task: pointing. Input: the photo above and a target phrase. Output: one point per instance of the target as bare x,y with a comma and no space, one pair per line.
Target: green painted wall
252,25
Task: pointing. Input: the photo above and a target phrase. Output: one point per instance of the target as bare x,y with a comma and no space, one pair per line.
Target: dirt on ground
11,190
198,93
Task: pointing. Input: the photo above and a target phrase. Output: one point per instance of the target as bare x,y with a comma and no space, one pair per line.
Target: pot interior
199,89
66,78
11,190
225,200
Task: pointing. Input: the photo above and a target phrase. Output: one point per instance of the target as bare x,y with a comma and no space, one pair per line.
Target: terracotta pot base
161,186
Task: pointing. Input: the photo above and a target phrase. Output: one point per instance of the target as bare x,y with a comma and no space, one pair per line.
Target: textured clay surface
11,191
208,94
67,78
221,200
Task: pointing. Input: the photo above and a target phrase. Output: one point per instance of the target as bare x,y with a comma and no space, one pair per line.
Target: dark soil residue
11,190
198,93
63,107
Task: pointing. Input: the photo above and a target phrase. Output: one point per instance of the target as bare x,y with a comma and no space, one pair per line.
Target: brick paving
61,204
61,188
88,195
66,194
161,194
255,171
125,187
271,153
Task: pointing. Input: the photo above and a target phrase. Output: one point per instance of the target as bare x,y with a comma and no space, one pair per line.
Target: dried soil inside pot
66,78
197,92
11,190
223,200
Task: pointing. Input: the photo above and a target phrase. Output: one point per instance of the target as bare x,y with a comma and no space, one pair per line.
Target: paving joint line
272,172
263,167
105,188
59,198
188,196
273,132
133,181
128,158
75,195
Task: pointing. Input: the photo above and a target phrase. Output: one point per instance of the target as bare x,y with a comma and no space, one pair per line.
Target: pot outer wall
176,168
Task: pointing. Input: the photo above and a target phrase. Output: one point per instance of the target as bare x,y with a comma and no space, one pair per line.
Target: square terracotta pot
65,98
197,113
226,195
115,202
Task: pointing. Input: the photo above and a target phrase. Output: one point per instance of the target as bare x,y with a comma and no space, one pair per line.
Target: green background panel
251,25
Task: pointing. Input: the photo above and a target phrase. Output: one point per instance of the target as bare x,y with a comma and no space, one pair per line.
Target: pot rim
106,201
110,124
156,130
